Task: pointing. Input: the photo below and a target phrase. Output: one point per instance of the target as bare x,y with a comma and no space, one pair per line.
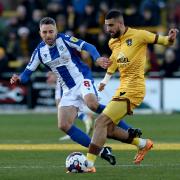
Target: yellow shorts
117,108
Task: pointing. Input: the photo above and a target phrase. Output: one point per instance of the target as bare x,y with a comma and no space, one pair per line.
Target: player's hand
101,86
14,79
172,34
103,62
51,78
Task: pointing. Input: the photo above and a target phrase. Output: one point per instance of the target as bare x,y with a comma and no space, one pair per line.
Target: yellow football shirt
129,56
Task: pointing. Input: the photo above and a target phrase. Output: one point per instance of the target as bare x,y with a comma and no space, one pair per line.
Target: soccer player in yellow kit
128,56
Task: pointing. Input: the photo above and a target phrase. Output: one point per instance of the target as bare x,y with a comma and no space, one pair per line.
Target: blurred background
84,19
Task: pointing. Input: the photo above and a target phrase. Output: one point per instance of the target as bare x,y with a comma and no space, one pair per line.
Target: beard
116,35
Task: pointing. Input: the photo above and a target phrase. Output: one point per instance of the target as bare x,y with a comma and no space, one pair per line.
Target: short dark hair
47,20
113,14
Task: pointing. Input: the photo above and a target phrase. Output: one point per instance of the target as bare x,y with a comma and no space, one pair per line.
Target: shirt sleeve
80,45
32,65
146,37
151,38
73,41
34,61
91,49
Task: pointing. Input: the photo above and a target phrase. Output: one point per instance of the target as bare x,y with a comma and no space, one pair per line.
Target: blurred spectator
64,3
23,33
3,61
79,6
132,16
83,34
173,15
103,9
27,4
170,63
12,46
150,12
25,46
22,15
102,44
12,24
90,16
33,26
147,18
61,23
71,18
123,4
30,5
54,9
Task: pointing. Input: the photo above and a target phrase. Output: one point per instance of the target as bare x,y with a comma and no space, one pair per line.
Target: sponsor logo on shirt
122,60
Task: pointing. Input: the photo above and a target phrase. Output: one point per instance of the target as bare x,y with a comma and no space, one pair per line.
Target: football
76,162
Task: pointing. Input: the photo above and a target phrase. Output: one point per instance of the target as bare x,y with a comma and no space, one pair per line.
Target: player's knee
64,126
91,102
102,121
93,105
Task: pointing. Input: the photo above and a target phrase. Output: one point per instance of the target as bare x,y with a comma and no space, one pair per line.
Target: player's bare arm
105,80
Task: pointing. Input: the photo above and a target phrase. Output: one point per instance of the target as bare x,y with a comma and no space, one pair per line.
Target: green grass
49,164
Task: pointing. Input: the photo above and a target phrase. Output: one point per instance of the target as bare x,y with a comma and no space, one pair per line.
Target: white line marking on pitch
100,166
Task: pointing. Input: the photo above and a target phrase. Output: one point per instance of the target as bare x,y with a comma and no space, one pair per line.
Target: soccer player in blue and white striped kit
59,53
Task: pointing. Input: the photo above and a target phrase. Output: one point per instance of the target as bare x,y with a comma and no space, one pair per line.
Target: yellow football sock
135,142
139,142
91,158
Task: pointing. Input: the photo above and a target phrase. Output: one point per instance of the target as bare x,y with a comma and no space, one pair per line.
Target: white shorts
74,97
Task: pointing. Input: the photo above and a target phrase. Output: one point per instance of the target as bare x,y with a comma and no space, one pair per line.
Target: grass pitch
30,149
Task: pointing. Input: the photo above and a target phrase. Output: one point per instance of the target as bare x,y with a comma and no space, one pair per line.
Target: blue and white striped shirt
63,59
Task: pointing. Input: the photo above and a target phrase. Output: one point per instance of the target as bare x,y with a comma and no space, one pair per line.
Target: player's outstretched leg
88,122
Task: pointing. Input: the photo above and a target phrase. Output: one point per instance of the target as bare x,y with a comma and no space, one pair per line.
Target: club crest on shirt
129,42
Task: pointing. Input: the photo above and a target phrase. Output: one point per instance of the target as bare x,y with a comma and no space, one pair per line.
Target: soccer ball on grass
76,162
